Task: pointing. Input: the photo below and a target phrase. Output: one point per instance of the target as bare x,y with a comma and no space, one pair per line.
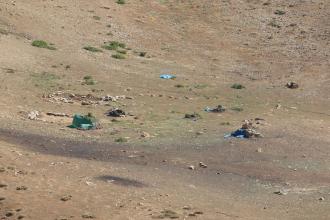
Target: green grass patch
42,44
237,109
121,2
200,86
96,17
121,140
88,80
179,86
45,80
122,51
279,12
118,56
237,86
114,45
92,49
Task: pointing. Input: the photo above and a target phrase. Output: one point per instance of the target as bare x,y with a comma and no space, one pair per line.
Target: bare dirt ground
137,167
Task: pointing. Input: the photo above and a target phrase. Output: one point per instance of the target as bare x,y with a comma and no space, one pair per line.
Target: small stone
283,192
145,135
278,106
21,188
198,213
66,198
88,216
202,165
191,167
292,85
33,115
322,199
259,150
3,185
186,208
9,214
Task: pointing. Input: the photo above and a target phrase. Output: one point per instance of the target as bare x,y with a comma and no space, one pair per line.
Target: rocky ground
167,158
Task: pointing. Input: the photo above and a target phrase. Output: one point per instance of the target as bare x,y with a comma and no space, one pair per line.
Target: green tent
84,122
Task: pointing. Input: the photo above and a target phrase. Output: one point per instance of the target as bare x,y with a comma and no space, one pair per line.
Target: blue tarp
240,133
167,76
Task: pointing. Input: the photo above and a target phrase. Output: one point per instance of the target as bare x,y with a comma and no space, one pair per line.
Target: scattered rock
168,214
58,114
202,165
66,198
110,98
259,150
292,85
3,185
21,188
9,214
283,192
88,216
191,167
145,135
116,113
186,208
322,199
192,116
278,106
33,115
217,109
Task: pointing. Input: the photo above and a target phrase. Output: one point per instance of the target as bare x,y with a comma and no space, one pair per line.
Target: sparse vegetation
142,54
122,51
45,80
114,45
179,86
88,80
237,109
118,56
121,2
274,24
121,140
92,49
96,17
42,44
225,123
279,12
200,86
237,86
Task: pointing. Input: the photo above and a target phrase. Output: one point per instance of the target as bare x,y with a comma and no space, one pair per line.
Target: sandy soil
50,171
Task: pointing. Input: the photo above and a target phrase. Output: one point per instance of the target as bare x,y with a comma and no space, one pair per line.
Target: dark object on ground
116,113
246,131
192,116
218,109
237,86
292,85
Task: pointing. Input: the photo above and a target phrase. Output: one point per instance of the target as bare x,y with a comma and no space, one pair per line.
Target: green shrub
142,54
92,49
88,80
97,18
114,45
121,2
237,109
42,44
237,86
121,140
122,51
118,56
